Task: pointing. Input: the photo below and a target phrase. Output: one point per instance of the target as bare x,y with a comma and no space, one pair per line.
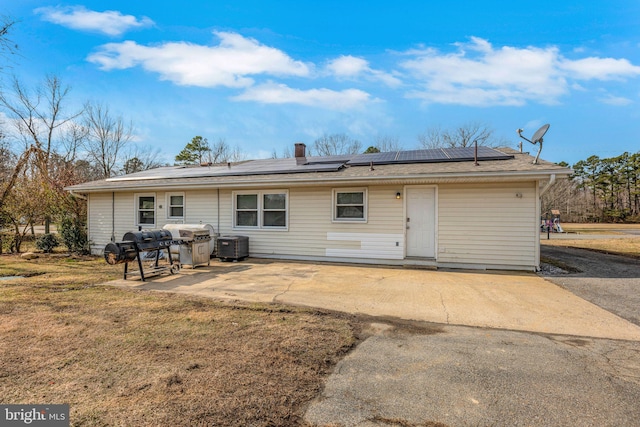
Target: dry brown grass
598,228
627,246
126,358
622,246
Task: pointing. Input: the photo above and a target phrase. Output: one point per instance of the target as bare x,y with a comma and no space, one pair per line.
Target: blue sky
263,75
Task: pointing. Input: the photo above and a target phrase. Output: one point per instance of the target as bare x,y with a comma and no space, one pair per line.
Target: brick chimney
301,153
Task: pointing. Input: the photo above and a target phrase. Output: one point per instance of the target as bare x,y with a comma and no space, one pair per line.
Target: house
454,208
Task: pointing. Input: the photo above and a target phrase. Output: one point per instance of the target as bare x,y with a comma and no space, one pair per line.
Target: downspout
552,180
218,216
113,216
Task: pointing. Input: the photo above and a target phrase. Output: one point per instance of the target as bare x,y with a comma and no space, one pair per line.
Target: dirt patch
123,357
395,422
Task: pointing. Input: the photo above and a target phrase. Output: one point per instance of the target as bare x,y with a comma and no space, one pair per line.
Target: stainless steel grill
175,231
194,247
147,244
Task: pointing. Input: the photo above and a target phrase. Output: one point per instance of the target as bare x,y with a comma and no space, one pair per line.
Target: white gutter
552,180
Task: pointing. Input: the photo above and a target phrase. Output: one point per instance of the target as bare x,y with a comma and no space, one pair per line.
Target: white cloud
229,63
347,66
616,100
110,22
506,76
478,74
600,68
272,93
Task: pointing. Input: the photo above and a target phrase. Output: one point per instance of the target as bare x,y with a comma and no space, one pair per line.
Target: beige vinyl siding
125,208
478,225
488,225
310,223
99,220
200,207
101,223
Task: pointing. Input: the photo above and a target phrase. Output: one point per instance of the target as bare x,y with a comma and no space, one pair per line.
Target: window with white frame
146,210
274,210
261,209
246,210
175,205
350,205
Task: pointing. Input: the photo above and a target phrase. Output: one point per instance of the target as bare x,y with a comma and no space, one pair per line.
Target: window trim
169,206
265,210
137,210
260,210
334,204
236,210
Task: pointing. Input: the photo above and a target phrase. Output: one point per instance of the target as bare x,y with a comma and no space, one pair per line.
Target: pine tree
194,151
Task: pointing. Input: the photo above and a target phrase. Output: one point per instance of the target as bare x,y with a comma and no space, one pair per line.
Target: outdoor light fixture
398,195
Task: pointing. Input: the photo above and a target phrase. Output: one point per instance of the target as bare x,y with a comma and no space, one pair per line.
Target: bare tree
462,136
237,155
7,160
72,140
387,143
107,136
286,153
7,46
38,116
220,151
431,138
335,144
12,173
140,159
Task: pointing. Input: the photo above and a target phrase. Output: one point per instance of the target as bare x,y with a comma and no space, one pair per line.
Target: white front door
421,222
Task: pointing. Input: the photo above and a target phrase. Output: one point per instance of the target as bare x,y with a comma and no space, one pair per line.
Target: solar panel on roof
266,170
373,157
436,155
320,164
255,167
421,155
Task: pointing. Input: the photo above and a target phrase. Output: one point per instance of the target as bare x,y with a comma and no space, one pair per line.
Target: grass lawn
598,228
135,358
628,246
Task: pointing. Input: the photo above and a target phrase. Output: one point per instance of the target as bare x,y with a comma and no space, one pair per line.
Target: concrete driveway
502,300
448,374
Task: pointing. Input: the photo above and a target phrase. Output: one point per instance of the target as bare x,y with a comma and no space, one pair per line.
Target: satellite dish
537,138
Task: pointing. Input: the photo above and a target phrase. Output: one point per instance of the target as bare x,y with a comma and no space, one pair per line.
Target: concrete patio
502,300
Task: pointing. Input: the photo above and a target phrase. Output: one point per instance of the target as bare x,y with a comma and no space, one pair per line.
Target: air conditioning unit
234,248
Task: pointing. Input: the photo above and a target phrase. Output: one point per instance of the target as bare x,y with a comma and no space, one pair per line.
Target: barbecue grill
194,247
148,244
175,232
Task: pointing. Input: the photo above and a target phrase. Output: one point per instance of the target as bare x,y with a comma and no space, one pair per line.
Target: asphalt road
460,376
439,375
609,281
